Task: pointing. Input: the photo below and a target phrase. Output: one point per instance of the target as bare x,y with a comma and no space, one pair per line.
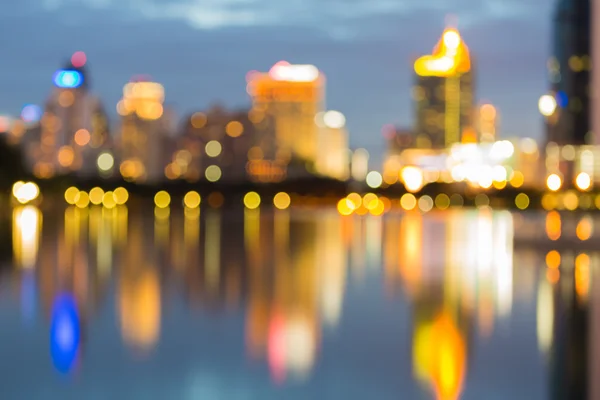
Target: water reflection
300,284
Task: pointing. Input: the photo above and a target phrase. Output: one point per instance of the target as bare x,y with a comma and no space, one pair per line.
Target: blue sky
201,50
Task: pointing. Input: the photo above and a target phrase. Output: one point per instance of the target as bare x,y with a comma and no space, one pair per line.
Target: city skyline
208,64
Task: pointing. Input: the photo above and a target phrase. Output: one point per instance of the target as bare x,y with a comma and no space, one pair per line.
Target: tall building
569,72
332,150
289,97
74,127
145,131
443,93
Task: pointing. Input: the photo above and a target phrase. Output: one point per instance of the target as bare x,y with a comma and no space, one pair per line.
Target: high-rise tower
443,93
570,72
290,96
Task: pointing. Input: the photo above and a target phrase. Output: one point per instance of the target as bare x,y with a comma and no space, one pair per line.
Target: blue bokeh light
562,100
31,113
64,333
68,79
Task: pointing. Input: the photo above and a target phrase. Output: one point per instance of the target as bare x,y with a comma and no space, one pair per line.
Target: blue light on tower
562,100
68,79
64,333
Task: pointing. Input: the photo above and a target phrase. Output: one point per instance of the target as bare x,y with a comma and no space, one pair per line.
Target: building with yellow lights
144,133
443,94
73,130
332,151
289,97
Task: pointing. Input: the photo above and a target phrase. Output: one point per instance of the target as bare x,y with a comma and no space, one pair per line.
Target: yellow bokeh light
162,199
234,129
345,207
549,201
121,195
192,199
252,200
356,199
583,181
162,213
442,201
282,200
408,201
82,200
553,225
369,201
522,201
378,208
108,200
517,179
96,195
554,182
212,173
571,201
213,148
71,195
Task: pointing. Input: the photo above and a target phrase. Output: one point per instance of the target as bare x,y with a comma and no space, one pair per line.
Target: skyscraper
569,73
595,78
145,130
290,96
74,126
444,93
332,151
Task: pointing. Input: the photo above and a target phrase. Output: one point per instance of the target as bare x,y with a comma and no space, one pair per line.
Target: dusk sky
201,50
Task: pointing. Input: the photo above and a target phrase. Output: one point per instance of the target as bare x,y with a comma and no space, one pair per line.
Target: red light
78,59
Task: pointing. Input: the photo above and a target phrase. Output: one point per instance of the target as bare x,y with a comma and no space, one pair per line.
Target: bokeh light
213,148
31,113
282,200
105,162
408,201
212,173
71,195
121,195
554,182
547,105
96,195
192,199
108,200
162,199
583,181
374,179
522,201
252,200
78,59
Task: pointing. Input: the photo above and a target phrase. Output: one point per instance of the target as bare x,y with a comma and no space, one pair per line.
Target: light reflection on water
292,304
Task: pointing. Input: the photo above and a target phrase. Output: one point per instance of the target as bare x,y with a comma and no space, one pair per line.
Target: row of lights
374,205
583,181
97,196
193,199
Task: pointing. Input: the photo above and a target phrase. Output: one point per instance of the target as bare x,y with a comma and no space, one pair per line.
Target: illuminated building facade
289,97
73,129
569,72
443,94
145,131
332,149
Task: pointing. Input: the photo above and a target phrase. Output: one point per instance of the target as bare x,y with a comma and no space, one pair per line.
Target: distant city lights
68,79
334,119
